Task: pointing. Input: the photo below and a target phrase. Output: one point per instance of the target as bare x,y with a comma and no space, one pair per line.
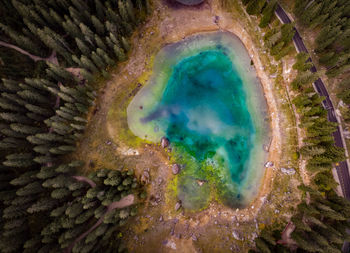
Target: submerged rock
164,142
175,169
288,171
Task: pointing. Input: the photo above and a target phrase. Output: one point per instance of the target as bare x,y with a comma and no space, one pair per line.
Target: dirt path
52,58
286,239
124,202
86,180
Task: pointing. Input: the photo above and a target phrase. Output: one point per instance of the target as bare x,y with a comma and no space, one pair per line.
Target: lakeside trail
124,202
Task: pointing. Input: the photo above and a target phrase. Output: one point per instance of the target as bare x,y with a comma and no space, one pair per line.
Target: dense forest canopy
50,54
320,221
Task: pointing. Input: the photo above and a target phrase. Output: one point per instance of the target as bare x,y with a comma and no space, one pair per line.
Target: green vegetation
321,211
52,53
330,19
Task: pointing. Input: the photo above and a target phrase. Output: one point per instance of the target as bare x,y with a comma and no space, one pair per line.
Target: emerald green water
199,99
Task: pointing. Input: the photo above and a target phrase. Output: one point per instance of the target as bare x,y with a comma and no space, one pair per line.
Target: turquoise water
200,102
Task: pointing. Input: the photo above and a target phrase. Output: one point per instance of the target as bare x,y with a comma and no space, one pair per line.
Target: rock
161,218
194,238
164,142
269,164
178,205
145,177
171,245
288,171
108,142
236,235
234,218
216,19
200,182
175,169
160,180
216,222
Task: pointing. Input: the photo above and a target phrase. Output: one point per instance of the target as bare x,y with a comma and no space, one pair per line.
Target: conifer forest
54,56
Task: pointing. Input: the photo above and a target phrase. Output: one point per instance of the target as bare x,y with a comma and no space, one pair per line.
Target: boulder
176,169
288,171
269,164
236,235
178,205
200,182
164,142
145,177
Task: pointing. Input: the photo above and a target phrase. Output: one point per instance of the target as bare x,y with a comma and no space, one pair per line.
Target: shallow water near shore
204,96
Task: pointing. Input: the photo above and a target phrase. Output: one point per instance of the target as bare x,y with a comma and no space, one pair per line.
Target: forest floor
109,143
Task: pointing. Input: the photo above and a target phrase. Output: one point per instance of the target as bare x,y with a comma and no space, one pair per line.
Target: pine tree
24,179
7,105
72,28
33,96
100,43
14,117
100,9
99,27
268,13
123,11
119,53
87,63
62,74
39,110
125,44
84,49
60,193
130,10
30,189
254,7
98,61
105,57
25,129
43,204
88,34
